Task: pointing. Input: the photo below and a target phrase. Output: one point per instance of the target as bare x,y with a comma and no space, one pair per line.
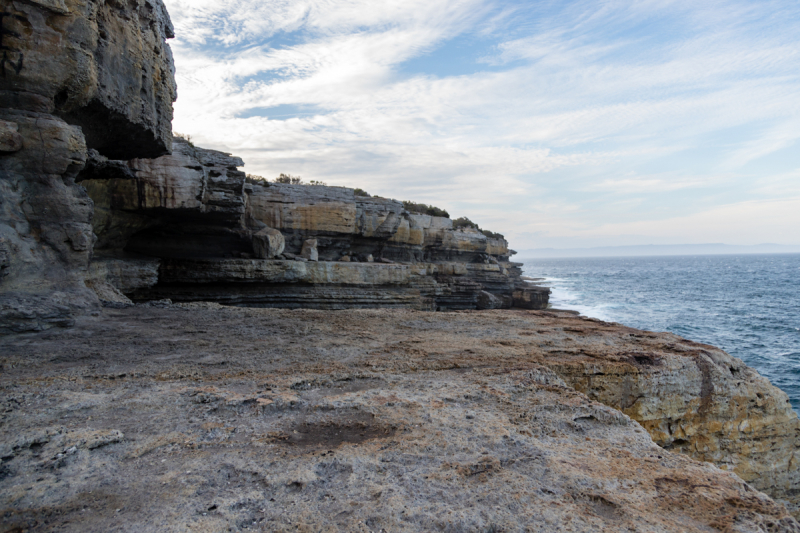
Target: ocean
748,305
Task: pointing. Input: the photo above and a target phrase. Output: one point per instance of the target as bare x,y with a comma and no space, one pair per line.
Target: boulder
108,294
268,243
531,297
487,300
309,251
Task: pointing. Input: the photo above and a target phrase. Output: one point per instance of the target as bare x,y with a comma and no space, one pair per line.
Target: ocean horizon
748,305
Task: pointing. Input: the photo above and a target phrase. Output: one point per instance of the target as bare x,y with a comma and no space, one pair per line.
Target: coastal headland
185,348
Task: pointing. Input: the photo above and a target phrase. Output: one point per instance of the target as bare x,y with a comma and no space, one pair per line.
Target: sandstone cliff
397,420
74,76
214,235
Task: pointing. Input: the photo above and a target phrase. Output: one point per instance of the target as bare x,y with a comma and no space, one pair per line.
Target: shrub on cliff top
289,179
361,192
464,222
187,138
425,209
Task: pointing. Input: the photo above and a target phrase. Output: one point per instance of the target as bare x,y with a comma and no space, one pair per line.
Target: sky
557,123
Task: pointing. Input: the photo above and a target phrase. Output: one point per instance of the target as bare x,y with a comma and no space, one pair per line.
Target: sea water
748,305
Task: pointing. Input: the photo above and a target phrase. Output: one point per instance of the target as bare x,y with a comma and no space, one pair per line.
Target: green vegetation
425,209
361,192
289,179
464,222
187,138
254,178
283,178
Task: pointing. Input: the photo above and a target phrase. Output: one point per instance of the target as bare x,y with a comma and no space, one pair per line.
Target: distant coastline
658,249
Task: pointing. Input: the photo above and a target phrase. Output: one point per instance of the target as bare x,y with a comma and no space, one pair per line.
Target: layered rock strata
74,76
692,398
206,418
222,237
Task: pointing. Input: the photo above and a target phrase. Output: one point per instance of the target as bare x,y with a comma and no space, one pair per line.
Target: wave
562,296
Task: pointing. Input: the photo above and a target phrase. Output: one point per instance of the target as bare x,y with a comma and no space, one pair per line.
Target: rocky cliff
94,195
393,419
75,76
214,235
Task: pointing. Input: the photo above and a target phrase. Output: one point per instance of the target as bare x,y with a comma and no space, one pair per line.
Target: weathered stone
309,250
268,243
531,297
100,65
306,210
45,224
692,398
345,259
5,258
378,217
73,73
107,293
487,300
23,312
188,203
358,420
191,178
166,210
10,139
126,274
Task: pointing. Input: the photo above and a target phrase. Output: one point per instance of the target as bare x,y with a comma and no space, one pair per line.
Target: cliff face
218,236
100,65
92,208
74,75
695,399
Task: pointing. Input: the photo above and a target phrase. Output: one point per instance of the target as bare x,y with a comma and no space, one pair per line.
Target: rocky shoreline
325,394
203,417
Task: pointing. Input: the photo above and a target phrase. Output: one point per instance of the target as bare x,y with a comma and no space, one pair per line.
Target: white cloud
580,100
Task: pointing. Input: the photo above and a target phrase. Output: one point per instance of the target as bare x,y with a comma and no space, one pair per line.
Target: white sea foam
563,297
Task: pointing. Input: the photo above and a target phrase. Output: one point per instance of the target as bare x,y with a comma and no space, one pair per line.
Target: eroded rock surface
74,75
103,66
196,212
211,418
